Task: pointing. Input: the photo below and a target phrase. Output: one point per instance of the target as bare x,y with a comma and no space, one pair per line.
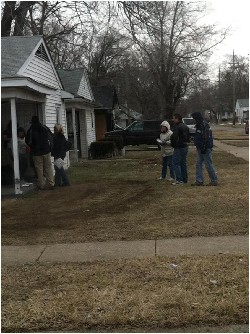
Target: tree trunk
7,18
21,13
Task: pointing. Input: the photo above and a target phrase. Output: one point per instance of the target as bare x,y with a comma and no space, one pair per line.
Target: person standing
39,139
179,141
203,141
59,152
23,150
166,151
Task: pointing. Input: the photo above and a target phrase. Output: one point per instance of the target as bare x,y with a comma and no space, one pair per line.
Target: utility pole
234,113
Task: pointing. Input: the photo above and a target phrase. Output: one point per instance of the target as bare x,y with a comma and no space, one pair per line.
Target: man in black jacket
179,141
39,138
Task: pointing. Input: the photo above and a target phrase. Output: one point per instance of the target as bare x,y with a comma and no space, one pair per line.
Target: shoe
214,184
169,179
161,178
177,183
197,184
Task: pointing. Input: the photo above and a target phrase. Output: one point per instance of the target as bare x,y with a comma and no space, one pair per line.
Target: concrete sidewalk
111,250
239,152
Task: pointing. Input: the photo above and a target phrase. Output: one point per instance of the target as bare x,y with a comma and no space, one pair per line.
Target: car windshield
189,121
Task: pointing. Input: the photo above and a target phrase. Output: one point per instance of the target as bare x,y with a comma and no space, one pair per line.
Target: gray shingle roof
71,79
15,51
105,96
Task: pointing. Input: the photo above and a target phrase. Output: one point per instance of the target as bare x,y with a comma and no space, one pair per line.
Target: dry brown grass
227,135
125,295
122,200
238,143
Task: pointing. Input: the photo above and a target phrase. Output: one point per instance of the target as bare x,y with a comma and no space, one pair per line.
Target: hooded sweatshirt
166,148
203,138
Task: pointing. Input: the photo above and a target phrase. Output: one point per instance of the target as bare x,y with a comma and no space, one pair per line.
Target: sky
235,14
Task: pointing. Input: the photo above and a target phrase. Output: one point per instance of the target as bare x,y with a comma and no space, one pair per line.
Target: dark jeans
23,165
61,178
167,163
180,164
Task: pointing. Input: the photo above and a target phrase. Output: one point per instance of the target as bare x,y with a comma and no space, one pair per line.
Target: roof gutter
27,83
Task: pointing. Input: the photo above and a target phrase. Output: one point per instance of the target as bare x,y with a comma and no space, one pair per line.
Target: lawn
141,295
121,199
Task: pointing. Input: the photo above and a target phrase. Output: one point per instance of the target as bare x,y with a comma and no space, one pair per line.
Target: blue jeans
167,162
207,160
180,164
61,178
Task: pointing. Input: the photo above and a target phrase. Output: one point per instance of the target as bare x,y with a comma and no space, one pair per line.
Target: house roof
14,52
243,103
71,79
105,96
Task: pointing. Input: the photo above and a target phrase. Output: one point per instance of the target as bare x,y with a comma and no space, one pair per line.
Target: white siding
41,71
84,89
87,129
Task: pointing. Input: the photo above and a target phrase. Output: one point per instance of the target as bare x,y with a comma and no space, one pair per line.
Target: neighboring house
242,110
30,86
107,105
125,116
80,110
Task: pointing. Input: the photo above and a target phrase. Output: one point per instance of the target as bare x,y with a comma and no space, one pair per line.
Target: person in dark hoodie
59,152
203,141
39,139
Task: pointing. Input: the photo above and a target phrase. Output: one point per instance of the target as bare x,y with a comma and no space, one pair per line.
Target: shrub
117,139
102,149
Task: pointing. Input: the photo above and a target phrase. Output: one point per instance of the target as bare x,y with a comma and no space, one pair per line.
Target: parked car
139,132
190,122
247,127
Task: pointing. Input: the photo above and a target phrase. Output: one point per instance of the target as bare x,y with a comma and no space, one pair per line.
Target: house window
41,53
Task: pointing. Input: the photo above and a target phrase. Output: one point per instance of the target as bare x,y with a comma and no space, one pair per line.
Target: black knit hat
34,120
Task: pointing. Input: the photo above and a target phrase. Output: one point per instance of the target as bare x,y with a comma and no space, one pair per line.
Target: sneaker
169,179
197,184
214,184
177,183
160,178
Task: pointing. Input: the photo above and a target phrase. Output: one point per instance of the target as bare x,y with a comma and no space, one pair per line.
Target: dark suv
139,132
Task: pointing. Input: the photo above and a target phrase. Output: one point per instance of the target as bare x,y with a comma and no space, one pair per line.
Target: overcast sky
236,15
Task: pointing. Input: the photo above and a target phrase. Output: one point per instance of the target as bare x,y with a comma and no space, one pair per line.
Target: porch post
43,113
74,133
15,147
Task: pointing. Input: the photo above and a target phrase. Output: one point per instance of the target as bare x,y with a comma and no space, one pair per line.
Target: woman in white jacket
166,151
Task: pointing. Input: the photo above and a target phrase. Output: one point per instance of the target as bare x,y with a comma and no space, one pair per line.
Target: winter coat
203,137
39,139
59,146
180,136
166,148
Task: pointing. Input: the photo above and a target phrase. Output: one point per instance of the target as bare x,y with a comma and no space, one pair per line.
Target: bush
117,139
102,149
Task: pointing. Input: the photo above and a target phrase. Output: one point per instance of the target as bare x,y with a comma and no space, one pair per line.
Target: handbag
59,163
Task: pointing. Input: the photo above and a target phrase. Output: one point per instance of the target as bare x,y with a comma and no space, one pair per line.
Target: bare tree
18,14
173,44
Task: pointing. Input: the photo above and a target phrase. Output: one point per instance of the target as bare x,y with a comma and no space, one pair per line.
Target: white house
30,86
125,116
242,109
80,110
